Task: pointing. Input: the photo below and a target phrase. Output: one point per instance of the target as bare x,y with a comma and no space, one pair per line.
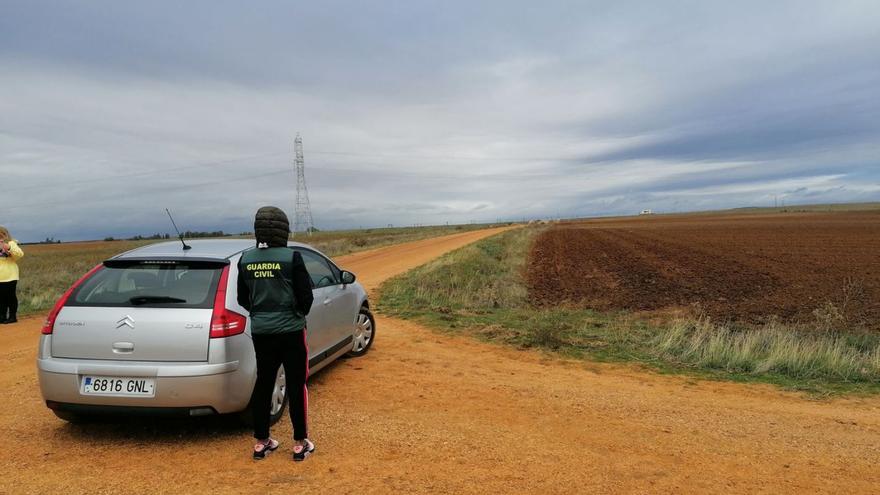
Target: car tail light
49,324
225,323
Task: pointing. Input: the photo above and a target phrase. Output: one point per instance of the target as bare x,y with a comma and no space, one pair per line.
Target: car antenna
179,235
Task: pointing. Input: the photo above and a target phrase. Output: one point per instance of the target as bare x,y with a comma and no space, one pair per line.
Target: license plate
118,386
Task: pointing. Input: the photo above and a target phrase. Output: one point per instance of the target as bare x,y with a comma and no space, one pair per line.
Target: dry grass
47,270
799,352
479,276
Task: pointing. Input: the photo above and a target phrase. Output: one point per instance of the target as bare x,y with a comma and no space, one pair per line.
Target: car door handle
327,301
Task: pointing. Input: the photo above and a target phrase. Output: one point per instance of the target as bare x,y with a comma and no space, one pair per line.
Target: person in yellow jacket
10,253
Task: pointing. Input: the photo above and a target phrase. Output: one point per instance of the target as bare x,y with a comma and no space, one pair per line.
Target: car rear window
150,284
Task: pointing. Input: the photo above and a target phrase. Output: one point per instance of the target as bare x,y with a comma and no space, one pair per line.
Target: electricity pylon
303,221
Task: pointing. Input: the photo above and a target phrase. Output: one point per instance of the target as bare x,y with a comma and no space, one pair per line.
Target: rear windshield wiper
138,300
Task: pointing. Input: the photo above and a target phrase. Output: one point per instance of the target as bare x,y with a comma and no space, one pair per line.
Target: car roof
202,249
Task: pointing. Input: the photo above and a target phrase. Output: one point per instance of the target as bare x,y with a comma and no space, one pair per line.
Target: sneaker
261,450
300,452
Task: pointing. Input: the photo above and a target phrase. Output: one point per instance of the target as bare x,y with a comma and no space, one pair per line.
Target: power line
501,177
507,176
170,170
127,194
430,175
445,157
145,173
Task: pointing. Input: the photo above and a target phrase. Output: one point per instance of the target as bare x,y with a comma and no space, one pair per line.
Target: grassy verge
479,290
47,270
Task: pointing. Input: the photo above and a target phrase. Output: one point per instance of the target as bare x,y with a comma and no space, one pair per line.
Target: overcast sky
428,112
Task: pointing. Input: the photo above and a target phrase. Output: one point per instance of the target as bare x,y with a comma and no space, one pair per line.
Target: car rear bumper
96,410
205,388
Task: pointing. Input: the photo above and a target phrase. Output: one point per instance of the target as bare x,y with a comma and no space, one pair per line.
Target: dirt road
425,412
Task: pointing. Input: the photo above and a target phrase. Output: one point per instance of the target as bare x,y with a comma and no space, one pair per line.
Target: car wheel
278,401
364,333
279,397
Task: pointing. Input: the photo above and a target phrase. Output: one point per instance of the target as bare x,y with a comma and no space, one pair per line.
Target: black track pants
291,350
8,300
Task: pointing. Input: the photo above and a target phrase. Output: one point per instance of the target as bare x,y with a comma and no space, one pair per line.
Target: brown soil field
733,267
426,412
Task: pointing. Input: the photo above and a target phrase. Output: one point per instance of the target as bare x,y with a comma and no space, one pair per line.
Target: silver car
158,330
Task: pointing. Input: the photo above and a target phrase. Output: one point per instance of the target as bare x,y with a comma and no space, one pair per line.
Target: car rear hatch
140,310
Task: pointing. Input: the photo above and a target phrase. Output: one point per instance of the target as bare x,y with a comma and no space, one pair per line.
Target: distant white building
647,212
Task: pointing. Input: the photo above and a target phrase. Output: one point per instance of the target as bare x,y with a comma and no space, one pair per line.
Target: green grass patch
479,290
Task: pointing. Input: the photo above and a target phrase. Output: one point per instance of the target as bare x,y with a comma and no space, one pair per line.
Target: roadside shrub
548,330
828,317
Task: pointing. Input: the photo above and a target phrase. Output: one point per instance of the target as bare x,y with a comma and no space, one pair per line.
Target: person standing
275,287
10,253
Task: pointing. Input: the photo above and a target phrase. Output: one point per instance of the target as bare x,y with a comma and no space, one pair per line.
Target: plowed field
733,267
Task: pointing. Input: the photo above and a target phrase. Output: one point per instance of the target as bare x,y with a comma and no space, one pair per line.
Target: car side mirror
348,277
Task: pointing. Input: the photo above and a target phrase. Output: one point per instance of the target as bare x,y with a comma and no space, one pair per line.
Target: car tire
278,404
364,333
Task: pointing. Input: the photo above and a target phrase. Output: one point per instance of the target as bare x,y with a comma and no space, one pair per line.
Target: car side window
319,270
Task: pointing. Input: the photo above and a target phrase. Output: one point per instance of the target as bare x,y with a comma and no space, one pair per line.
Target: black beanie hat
271,227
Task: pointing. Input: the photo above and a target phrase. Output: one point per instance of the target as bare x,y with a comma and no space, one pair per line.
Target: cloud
428,112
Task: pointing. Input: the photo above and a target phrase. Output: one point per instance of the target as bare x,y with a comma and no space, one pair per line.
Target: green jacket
275,287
